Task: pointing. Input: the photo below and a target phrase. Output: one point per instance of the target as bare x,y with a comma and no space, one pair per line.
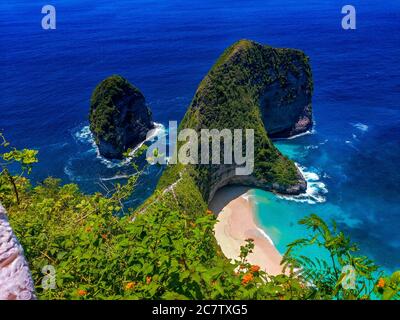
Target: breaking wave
360,126
308,132
316,189
85,136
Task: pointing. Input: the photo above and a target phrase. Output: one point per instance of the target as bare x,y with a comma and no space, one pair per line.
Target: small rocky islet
119,117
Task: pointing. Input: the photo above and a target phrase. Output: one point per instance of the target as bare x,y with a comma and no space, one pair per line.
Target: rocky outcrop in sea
119,117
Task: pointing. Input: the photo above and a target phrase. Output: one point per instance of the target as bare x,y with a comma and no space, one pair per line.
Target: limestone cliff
254,87
119,117
285,102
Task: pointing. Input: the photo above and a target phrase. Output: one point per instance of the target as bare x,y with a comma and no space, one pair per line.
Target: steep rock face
119,117
15,278
253,87
286,102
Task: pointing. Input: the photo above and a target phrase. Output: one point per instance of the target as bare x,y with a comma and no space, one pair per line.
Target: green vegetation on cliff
103,109
164,253
119,118
230,96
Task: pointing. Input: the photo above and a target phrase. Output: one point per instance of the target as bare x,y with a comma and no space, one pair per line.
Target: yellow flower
129,285
381,283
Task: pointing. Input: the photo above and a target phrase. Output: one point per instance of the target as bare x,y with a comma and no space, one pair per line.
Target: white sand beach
236,223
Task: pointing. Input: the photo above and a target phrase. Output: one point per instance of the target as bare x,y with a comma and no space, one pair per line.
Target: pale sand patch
236,224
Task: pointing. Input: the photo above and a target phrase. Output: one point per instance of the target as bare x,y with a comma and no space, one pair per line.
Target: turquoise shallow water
278,216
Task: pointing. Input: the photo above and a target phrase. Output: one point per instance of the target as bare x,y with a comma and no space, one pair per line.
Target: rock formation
254,87
119,117
15,278
285,103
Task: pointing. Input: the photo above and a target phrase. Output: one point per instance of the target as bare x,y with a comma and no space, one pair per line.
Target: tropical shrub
163,250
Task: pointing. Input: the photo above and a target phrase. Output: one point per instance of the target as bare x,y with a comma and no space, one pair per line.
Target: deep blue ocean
166,47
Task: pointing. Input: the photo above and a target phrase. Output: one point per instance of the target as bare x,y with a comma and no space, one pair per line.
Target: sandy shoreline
236,224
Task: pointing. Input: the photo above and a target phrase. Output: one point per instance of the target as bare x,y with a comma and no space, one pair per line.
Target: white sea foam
350,144
246,196
118,177
249,197
71,175
324,142
265,235
86,136
308,132
316,189
360,126
68,172
158,131
310,176
315,146
311,147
